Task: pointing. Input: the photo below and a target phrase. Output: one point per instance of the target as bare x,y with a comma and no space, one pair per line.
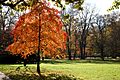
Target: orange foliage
26,31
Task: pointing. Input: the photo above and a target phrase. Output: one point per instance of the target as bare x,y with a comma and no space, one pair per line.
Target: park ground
80,69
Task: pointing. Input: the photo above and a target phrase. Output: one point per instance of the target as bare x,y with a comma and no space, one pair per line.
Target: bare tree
85,20
100,24
8,17
114,26
70,28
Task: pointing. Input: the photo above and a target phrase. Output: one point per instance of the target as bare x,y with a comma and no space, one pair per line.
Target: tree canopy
22,4
26,31
115,5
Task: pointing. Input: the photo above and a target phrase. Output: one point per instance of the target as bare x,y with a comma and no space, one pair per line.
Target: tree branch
10,4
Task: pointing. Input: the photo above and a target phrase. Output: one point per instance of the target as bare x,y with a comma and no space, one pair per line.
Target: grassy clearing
84,69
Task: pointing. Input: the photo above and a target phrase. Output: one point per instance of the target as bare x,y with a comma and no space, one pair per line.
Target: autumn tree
40,30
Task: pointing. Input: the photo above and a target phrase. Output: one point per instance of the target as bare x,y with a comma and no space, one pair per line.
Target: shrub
7,58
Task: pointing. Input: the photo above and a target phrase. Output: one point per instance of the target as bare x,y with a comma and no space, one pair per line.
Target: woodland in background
88,33
33,30
91,34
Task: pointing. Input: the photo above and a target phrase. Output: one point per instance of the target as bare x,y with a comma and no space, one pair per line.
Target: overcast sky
101,5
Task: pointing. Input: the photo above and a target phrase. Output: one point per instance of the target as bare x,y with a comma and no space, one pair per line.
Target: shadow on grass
42,77
65,61
26,73
95,61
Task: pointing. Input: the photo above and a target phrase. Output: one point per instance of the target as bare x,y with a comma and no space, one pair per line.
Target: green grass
84,69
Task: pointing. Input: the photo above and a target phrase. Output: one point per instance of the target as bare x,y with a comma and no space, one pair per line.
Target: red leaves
26,32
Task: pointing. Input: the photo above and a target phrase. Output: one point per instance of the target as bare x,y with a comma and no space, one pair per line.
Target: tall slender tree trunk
68,42
75,50
68,49
84,51
102,53
69,38
81,51
75,45
38,54
82,45
102,45
38,61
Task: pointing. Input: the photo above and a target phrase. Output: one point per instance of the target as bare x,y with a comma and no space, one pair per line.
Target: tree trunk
38,62
82,51
68,49
102,45
43,58
75,45
82,43
69,53
25,62
38,55
74,54
102,53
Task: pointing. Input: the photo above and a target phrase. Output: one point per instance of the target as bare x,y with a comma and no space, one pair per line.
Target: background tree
69,20
85,19
100,24
7,21
113,26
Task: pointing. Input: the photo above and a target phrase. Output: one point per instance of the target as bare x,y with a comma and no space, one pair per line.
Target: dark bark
38,54
102,45
83,39
68,41
102,54
84,51
68,49
82,45
75,50
25,62
69,33
75,44
43,58
74,55
84,32
113,55
38,62
102,50
82,54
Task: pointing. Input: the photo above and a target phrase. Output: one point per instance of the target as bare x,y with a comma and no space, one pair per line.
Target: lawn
83,69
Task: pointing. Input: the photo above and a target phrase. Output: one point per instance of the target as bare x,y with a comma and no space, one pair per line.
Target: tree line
91,34
88,32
